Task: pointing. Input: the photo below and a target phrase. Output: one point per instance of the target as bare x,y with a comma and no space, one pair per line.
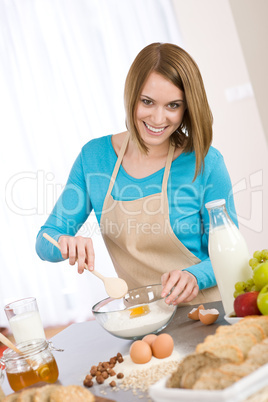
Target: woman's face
160,110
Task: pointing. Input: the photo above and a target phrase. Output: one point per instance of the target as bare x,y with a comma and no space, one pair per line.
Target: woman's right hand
78,249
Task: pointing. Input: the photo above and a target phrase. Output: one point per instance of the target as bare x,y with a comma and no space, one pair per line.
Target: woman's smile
154,130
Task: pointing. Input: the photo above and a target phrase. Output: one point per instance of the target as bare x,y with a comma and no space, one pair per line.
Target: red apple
246,304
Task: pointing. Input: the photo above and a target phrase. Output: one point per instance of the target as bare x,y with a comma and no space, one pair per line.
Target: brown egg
208,316
149,338
194,313
140,352
162,346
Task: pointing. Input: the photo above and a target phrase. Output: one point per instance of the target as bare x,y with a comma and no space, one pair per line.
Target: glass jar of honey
35,364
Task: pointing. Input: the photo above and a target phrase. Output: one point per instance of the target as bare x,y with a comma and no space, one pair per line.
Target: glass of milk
24,319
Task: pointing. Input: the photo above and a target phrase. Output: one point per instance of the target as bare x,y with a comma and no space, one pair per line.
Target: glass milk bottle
228,253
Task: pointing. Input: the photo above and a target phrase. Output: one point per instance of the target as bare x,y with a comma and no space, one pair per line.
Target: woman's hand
184,284
78,249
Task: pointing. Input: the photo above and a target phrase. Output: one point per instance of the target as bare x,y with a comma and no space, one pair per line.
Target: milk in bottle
228,252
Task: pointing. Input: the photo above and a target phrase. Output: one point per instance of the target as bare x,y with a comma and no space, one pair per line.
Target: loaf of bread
10,398
240,342
71,393
26,395
232,353
261,320
52,393
214,379
42,394
192,367
259,353
248,328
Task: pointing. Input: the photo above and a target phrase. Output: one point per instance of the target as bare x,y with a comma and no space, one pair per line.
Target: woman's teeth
154,130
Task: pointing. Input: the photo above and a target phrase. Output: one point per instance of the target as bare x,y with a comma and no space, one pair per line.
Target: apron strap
118,163
167,167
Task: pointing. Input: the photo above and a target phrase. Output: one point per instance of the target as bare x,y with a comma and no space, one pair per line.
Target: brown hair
176,65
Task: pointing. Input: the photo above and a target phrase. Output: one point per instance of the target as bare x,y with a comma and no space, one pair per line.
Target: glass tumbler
24,319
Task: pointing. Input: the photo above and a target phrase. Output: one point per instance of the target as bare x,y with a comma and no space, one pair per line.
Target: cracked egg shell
194,313
208,316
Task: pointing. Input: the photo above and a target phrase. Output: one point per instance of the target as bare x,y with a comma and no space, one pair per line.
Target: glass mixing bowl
142,311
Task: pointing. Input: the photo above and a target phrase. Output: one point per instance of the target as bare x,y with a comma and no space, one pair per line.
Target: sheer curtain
62,69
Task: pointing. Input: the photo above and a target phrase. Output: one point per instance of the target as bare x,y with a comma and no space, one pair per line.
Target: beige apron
139,237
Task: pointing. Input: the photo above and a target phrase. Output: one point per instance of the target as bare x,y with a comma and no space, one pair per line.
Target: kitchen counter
86,344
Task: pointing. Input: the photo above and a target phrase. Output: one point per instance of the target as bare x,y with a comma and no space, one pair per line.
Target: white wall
250,18
210,36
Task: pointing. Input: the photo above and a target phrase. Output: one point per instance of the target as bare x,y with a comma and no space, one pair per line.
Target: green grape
257,255
249,282
240,286
264,254
237,293
254,289
254,262
248,285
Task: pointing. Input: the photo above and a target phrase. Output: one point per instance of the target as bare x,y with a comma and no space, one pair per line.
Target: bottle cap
215,203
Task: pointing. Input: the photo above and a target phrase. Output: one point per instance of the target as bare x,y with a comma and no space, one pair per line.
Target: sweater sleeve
70,212
218,186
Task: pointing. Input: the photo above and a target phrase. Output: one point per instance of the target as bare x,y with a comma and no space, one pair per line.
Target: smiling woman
166,151
174,79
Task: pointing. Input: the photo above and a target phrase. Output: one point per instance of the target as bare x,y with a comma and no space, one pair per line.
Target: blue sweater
88,183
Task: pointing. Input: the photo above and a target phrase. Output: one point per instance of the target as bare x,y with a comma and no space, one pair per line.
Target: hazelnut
120,359
100,379
88,383
112,373
112,384
120,375
93,371
105,375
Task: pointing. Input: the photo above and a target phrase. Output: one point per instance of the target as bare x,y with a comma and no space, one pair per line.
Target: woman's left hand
184,284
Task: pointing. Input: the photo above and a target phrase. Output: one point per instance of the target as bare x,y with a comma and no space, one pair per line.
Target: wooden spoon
11,345
115,287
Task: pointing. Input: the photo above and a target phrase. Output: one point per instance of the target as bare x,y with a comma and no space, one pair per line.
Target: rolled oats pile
142,379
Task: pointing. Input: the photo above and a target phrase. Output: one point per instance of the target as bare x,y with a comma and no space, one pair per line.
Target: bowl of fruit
251,296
